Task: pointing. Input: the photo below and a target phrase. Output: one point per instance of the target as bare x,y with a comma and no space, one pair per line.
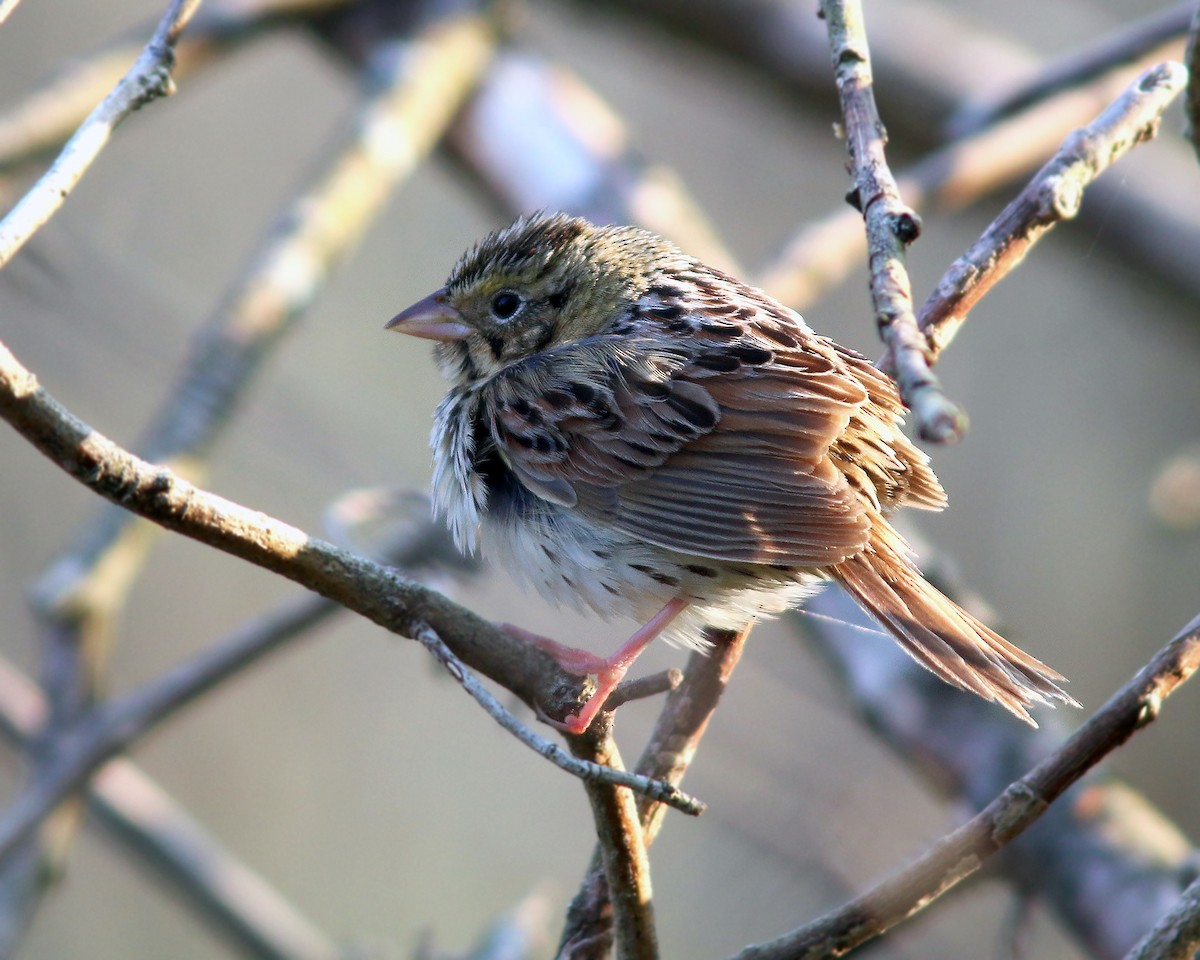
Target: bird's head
545,280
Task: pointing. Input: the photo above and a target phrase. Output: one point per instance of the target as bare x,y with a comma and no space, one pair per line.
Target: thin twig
823,253
415,88
1129,42
148,79
47,116
961,852
891,226
585,770
1054,195
587,933
621,846
376,592
640,688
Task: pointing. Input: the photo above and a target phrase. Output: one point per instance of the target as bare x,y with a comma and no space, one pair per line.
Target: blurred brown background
371,791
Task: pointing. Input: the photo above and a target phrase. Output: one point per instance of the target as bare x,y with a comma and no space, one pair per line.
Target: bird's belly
574,561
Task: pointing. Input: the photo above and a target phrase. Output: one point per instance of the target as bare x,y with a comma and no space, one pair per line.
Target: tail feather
943,637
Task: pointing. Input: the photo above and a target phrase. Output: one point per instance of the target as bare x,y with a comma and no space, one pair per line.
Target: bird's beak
433,318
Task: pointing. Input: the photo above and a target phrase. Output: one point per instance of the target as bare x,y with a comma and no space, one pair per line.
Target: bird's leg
608,671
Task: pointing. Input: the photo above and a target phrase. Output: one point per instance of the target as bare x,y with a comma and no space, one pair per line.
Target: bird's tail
940,635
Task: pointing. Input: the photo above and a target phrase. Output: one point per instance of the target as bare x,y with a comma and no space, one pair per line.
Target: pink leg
608,671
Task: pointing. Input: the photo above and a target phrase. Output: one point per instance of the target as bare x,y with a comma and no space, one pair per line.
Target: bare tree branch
891,227
1102,858
621,850
822,254
962,852
416,87
588,934
1177,935
591,773
47,116
148,79
97,736
1130,42
27,875
355,582
641,688
1054,195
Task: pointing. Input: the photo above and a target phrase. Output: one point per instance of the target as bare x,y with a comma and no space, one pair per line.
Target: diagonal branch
1102,858
48,115
1128,43
962,852
376,592
1054,195
1177,935
416,87
148,79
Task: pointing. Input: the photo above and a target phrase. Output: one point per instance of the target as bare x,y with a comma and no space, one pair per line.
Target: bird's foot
608,671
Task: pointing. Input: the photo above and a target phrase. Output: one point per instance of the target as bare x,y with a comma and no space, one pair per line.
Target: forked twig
586,770
588,932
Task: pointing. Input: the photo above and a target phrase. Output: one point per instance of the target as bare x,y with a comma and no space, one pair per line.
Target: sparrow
635,432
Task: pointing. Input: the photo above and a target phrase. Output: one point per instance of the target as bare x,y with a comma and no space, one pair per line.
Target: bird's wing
730,440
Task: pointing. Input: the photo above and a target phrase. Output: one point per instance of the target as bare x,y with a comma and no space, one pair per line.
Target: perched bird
636,432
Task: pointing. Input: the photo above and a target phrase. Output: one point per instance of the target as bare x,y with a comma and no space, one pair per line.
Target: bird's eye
505,304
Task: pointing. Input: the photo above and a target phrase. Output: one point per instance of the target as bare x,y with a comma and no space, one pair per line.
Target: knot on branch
906,225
